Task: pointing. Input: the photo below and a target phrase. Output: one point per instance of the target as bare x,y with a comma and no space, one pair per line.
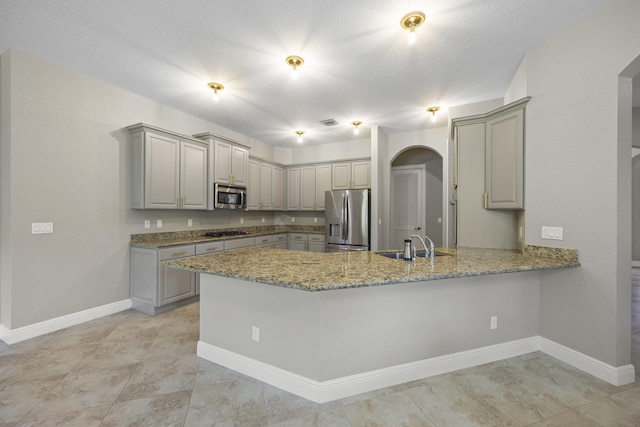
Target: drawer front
209,248
264,240
176,252
316,238
279,238
298,237
239,243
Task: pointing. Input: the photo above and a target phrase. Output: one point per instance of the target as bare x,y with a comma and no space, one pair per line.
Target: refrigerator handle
346,217
342,219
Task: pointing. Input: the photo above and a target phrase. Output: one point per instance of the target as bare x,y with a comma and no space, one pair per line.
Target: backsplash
265,229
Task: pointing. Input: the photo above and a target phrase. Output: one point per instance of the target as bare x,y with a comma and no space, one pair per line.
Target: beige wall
578,176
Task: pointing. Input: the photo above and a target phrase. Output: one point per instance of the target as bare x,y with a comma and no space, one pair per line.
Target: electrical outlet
147,223
255,334
189,223
315,219
159,223
494,322
263,220
293,219
553,233
241,220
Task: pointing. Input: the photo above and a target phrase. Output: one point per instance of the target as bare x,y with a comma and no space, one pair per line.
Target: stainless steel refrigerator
346,220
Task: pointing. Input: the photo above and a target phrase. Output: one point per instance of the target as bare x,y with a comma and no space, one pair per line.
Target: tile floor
133,369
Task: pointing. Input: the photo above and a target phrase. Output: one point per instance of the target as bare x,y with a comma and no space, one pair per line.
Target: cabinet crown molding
468,120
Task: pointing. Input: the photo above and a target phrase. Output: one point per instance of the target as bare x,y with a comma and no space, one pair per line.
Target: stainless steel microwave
229,196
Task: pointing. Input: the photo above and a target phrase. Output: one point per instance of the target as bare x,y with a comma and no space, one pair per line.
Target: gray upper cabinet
228,161
168,170
504,160
265,186
231,164
306,186
350,175
323,184
277,187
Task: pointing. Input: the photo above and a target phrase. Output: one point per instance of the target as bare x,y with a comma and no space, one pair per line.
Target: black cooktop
224,233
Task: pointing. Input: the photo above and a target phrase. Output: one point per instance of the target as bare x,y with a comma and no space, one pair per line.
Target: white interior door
407,203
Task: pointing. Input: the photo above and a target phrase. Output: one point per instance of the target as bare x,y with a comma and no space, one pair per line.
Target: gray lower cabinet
311,242
280,241
155,287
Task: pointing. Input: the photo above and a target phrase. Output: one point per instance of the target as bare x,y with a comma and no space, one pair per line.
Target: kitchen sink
399,255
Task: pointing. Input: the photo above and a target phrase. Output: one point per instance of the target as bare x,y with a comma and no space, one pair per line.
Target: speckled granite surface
324,271
172,238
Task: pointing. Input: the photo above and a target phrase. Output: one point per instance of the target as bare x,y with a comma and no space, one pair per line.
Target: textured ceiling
358,63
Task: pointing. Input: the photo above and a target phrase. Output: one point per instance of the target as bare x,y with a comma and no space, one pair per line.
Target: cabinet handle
486,200
211,248
179,253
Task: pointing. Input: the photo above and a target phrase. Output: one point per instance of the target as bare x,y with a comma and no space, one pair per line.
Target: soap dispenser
407,250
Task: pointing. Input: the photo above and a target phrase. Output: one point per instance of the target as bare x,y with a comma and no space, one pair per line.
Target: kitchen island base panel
324,336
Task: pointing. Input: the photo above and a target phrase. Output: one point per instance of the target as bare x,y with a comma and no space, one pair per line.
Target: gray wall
578,176
330,334
64,159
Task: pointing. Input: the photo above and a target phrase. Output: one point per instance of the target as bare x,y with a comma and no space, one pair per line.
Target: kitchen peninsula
331,325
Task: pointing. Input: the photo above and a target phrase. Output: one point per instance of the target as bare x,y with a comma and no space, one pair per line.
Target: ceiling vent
329,122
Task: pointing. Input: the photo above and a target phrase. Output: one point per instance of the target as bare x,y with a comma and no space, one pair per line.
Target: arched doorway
416,195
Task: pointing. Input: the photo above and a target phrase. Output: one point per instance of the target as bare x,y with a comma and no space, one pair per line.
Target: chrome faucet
428,252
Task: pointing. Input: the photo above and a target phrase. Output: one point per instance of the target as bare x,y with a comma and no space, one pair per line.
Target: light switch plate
552,233
41,228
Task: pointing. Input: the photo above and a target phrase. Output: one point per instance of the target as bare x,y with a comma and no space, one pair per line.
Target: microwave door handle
241,199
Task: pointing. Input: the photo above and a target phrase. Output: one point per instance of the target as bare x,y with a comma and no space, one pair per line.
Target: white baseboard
12,336
618,376
325,391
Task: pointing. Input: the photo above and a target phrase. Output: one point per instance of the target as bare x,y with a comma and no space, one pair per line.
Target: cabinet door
253,189
361,174
307,188
239,165
175,284
162,165
280,241
222,159
193,176
323,184
265,186
298,241
504,161
293,189
341,176
315,242
277,191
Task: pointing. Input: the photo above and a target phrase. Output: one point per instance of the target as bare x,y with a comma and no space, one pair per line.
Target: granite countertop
311,271
174,238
